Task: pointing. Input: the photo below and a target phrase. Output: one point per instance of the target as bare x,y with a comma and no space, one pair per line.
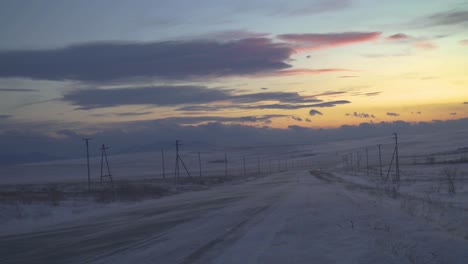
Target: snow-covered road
283,218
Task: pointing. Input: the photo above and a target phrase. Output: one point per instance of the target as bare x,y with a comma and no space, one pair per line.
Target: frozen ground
336,213
295,217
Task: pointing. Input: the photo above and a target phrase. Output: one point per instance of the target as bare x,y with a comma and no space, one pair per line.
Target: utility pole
199,164
177,165
397,159
104,157
380,161
87,161
163,166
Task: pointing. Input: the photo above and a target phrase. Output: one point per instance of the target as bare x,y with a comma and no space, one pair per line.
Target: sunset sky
88,66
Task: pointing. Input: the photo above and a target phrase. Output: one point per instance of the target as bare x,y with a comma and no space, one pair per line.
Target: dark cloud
297,118
312,7
278,106
158,95
398,36
284,97
447,18
5,117
465,102
363,115
172,96
98,62
453,114
313,112
331,103
201,108
20,90
392,114
308,120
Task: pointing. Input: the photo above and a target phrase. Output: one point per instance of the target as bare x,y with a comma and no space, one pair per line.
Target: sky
73,69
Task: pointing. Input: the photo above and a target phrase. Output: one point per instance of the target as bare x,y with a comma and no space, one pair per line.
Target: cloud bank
98,62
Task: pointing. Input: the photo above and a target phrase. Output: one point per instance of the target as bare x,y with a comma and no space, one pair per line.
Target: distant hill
15,159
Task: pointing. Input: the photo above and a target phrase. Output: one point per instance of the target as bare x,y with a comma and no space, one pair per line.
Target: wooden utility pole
87,161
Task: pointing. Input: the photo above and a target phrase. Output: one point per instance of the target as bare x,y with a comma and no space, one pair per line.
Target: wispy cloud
372,94
17,90
309,71
464,42
176,95
231,35
304,42
329,93
312,7
133,113
455,17
331,103
425,45
191,120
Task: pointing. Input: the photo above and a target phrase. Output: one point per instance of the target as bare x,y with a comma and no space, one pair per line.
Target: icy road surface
283,218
